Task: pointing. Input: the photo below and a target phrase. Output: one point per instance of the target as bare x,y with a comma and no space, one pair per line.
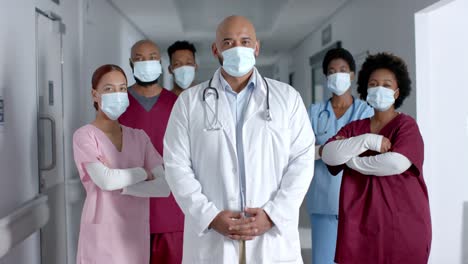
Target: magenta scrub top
114,227
385,219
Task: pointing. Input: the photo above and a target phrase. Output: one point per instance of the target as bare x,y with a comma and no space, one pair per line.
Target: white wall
283,67
374,25
443,119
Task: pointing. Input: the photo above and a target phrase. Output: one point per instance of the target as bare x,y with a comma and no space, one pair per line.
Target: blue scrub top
322,197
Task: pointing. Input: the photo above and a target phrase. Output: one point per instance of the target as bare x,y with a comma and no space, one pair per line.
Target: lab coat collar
258,99
258,79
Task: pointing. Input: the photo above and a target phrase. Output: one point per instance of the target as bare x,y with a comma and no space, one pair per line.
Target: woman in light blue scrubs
327,119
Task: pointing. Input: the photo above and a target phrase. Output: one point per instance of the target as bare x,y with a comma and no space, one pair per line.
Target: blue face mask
184,76
147,71
238,61
114,104
380,98
338,83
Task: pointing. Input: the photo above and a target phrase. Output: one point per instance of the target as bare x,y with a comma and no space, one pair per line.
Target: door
319,81
50,134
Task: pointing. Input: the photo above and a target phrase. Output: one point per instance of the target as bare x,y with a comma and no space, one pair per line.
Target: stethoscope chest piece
268,115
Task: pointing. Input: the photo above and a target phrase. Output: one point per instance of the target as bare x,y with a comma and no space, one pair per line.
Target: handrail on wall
23,222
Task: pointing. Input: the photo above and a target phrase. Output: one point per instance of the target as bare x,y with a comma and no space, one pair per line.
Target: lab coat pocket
283,248
207,144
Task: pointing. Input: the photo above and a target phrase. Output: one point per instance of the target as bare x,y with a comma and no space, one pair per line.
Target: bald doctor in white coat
239,176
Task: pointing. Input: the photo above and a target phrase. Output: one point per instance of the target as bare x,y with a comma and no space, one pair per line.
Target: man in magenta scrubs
150,108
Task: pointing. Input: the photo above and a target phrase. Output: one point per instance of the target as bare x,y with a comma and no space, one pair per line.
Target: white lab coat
201,169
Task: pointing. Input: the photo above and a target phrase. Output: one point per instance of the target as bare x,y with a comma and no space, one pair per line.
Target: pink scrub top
385,219
165,215
114,227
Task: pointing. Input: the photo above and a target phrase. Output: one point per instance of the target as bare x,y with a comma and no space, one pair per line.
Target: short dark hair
338,53
385,60
181,45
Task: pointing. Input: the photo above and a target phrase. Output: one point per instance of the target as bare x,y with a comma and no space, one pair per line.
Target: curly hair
338,53
390,62
181,45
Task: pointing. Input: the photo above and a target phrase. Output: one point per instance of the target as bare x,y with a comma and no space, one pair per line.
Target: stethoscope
327,113
214,124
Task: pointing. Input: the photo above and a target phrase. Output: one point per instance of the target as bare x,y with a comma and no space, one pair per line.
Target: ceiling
280,24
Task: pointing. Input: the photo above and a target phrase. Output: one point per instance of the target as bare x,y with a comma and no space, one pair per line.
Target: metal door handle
52,164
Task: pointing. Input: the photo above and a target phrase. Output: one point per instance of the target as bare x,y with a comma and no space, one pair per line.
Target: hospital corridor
233,131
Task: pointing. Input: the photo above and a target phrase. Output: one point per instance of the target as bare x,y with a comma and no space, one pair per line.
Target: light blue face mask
184,76
338,83
380,98
238,61
147,71
114,104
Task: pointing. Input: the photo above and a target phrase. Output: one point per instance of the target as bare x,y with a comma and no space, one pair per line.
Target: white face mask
380,98
147,71
238,61
338,83
184,76
114,104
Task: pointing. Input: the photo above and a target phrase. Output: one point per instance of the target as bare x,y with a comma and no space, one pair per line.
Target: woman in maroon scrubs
384,207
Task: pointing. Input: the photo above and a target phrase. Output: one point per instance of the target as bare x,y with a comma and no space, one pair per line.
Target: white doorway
49,31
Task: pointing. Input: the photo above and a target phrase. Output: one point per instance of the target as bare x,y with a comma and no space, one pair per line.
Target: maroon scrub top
165,214
385,219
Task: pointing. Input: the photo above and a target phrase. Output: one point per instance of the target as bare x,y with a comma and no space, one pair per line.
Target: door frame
61,31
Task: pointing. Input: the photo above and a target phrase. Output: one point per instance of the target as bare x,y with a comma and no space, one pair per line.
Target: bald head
235,31
235,24
145,50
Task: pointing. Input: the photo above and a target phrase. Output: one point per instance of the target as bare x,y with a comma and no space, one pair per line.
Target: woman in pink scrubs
116,166
384,207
